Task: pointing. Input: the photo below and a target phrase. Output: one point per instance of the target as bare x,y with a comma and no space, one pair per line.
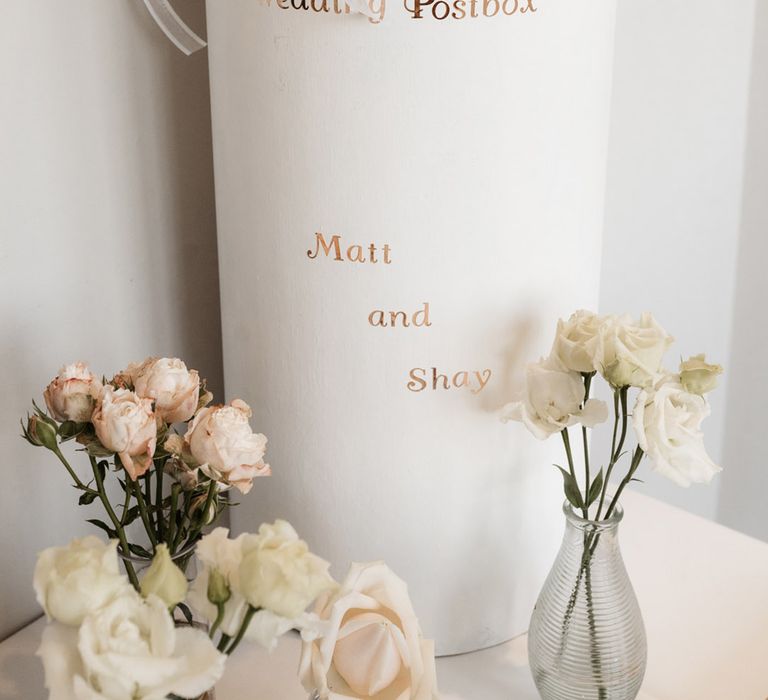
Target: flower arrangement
107,641
666,418
126,428
114,636
586,635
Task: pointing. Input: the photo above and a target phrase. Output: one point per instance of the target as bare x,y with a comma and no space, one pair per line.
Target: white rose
552,401
667,420
217,553
372,646
221,440
576,341
629,353
126,424
129,650
72,581
167,381
72,394
279,573
698,376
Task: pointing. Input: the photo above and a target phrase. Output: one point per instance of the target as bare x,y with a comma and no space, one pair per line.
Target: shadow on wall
108,250
745,477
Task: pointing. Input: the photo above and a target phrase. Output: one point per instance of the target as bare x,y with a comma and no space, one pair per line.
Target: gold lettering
482,378
492,3
378,7
357,256
506,4
387,261
461,379
529,7
458,6
320,241
417,383
379,315
394,315
320,7
442,377
424,314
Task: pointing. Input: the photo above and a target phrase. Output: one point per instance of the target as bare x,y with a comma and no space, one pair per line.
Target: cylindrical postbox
406,203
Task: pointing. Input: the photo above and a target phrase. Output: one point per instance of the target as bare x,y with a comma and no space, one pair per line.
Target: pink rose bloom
72,395
221,440
126,424
167,381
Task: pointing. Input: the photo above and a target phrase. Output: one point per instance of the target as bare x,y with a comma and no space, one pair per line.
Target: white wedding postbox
408,197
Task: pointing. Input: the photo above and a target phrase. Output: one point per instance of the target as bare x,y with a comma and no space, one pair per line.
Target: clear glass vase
586,639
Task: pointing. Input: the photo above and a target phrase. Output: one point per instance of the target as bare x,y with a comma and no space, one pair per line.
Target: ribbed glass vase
586,639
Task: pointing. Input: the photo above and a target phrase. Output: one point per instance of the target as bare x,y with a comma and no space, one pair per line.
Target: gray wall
674,207
745,484
107,232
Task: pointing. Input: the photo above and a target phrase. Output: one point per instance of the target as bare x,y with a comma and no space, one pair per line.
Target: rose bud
164,579
72,395
697,376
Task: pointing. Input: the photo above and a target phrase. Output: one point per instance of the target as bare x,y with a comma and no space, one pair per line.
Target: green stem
636,459
159,519
71,471
615,450
223,642
584,439
219,617
119,529
180,531
172,518
569,455
241,632
126,503
143,511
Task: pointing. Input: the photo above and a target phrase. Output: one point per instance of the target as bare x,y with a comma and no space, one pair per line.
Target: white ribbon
174,27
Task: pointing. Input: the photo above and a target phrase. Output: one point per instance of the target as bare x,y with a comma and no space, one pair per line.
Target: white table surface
703,590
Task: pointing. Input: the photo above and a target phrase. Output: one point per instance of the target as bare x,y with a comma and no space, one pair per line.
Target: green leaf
69,429
595,489
139,551
186,612
87,498
571,489
133,513
103,526
96,449
640,481
103,466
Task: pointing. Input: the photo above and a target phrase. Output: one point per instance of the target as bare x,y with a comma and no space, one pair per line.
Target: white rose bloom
371,646
126,424
576,341
216,552
667,420
221,440
552,401
129,650
72,394
167,381
72,581
629,353
279,573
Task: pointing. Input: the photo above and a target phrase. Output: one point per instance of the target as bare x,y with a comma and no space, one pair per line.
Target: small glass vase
586,639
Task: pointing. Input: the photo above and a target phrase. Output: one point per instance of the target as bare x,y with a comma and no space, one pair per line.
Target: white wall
674,196
745,483
107,233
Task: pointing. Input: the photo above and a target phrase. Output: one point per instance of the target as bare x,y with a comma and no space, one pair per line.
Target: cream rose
372,645
72,395
167,381
219,582
129,650
552,401
126,424
629,353
222,442
698,376
576,341
72,581
667,420
279,573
